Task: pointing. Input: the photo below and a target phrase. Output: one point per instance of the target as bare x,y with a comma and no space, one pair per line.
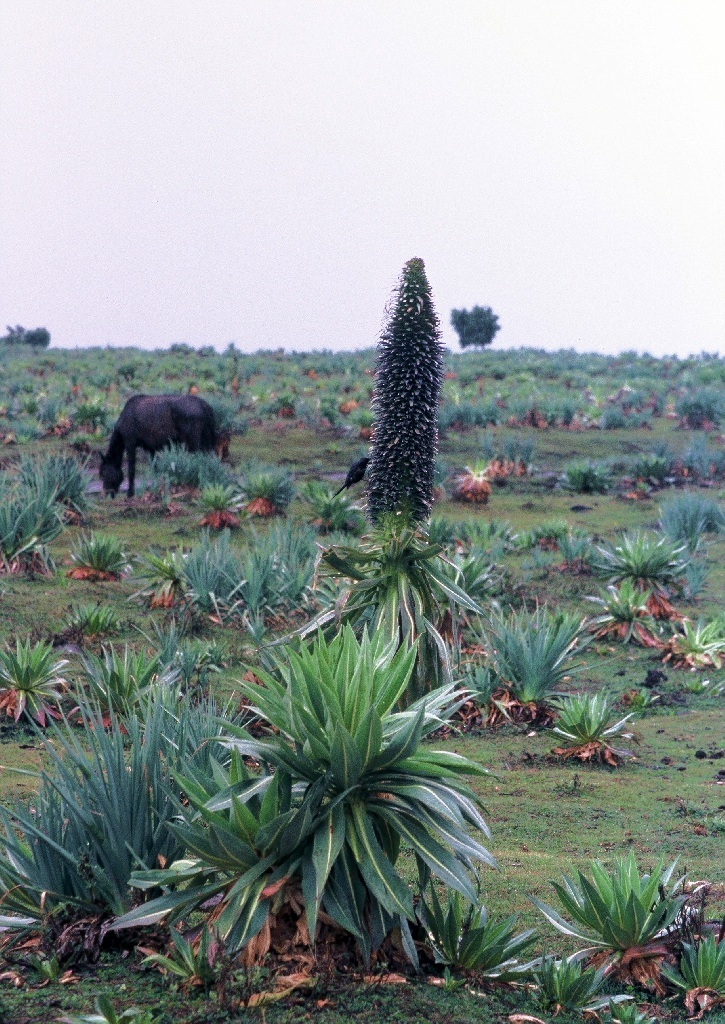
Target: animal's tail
340,490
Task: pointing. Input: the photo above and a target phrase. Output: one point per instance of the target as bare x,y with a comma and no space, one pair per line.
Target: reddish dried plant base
220,520
261,507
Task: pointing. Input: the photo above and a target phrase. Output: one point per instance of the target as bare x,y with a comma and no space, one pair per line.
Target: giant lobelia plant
408,381
629,920
397,583
344,784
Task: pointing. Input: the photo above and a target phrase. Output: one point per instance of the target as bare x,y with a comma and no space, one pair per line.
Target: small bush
213,576
585,721
163,578
94,619
176,466
267,490
331,512
702,408
686,517
443,531
697,645
30,682
90,416
487,535
652,468
648,560
624,615
702,970
29,521
575,548
86,830
531,652
98,557
586,477
613,419
565,985
703,462
63,474
462,936
117,683
619,908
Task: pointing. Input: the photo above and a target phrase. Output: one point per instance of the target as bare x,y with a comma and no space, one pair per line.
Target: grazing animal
152,422
354,474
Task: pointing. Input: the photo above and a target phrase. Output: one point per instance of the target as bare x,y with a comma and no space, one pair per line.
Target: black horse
152,422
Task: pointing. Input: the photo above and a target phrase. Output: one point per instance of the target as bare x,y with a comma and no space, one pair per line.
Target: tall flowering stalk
397,583
408,381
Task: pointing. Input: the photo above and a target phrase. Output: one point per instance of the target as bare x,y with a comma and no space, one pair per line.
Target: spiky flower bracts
408,381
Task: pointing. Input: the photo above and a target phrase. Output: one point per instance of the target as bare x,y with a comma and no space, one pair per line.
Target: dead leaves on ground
594,752
699,1000
504,707
220,520
82,572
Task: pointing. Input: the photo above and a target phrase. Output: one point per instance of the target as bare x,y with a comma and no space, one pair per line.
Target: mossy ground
546,818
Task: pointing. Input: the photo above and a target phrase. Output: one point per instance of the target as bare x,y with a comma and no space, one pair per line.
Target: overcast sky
258,171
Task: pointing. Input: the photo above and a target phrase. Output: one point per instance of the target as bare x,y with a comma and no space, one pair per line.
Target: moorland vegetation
270,751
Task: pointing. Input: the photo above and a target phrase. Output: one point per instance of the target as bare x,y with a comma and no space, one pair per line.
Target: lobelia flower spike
408,381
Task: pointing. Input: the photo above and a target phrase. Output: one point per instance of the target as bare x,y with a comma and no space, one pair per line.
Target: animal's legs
131,454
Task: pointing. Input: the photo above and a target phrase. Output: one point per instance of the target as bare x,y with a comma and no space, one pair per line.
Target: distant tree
39,338
479,327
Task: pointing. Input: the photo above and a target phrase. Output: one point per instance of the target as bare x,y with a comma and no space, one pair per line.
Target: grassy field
546,817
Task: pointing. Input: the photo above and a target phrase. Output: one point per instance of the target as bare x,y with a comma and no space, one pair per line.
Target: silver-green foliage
686,517
624,612
94,619
702,965
61,473
163,577
100,553
462,935
271,483
531,652
277,568
176,466
331,512
648,560
564,985
616,909
652,468
213,575
220,497
344,783
697,575
699,644
627,1013
29,520
586,477
587,718
87,829
118,682
575,547
474,573
30,681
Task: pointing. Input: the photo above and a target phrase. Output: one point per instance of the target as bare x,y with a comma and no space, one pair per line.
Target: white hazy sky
258,171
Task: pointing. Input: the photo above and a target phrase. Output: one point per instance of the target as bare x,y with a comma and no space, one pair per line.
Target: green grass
362,1002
